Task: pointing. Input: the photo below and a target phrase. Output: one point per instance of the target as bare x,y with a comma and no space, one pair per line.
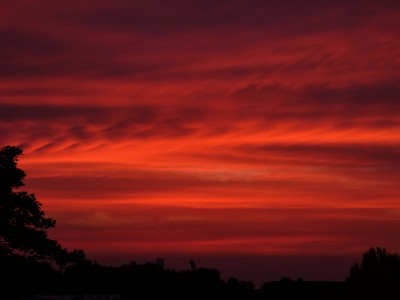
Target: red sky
258,137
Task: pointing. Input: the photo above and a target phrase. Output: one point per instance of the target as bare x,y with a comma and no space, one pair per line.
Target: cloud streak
257,129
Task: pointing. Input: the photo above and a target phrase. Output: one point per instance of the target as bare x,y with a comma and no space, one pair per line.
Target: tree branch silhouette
23,224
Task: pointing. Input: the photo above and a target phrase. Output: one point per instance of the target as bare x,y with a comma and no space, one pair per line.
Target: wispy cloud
259,128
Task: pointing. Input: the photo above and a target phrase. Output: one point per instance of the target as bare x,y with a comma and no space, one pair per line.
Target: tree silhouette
377,267
23,224
377,277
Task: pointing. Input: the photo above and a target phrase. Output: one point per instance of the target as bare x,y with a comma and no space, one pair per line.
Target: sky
257,137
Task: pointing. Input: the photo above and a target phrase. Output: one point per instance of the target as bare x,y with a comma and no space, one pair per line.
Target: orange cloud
251,130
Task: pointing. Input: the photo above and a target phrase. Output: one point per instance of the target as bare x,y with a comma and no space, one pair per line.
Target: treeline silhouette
32,264
23,277
377,277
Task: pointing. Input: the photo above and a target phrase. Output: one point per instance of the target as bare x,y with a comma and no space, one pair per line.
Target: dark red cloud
251,130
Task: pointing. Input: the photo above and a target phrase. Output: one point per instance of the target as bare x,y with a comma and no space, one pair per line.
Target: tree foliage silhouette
377,267
23,225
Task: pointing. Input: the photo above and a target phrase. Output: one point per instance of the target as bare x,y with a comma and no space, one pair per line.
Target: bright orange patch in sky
207,130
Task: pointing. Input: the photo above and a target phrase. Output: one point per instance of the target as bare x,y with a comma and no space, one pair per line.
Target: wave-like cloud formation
204,128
